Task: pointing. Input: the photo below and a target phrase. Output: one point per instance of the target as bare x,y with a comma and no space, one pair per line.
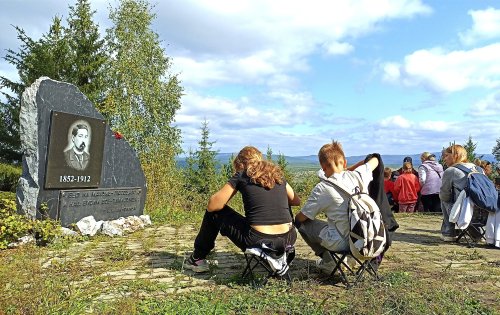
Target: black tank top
262,206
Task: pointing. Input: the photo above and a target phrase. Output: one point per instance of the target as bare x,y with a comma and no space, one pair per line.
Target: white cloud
489,106
444,71
439,126
486,25
337,48
243,114
400,135
257,39
399,122
396,121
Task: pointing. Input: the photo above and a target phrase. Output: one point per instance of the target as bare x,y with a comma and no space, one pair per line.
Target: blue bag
480,189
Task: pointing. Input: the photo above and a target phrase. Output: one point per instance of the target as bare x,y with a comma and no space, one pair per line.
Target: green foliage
227,169
9,176
13,226
303,183
269,153
496,150
165,185
201,172
87,52
283,164
72,54
470,147
143,96
10,142
7,195
142,99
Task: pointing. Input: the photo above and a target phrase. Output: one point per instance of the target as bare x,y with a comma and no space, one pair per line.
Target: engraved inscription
103,204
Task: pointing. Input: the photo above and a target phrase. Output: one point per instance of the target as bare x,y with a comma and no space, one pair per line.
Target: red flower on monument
118,135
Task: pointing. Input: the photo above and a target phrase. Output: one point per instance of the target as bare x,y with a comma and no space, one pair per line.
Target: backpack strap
358,187
337,186
425,166
467,171
464,169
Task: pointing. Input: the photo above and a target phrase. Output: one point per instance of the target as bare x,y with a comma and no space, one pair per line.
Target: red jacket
406,188
389,187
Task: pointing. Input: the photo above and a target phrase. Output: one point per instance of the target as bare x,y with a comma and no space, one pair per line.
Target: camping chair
351,275
474,233
274,262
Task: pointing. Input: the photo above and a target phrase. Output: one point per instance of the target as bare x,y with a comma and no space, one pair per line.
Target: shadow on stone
415,238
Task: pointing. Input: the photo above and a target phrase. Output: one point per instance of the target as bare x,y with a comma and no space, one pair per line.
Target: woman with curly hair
266,199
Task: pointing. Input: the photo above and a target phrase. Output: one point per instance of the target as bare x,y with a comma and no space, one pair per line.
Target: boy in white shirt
332,235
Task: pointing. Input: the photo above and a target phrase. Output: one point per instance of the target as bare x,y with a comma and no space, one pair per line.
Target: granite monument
72,161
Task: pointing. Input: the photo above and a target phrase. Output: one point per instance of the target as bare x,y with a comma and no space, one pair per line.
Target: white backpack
367,235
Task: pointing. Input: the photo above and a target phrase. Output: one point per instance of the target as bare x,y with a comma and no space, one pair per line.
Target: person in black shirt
266,199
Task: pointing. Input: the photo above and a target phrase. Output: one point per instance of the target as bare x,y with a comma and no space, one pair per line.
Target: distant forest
310,162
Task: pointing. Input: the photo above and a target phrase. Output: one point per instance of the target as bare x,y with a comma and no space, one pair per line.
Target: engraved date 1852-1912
74,179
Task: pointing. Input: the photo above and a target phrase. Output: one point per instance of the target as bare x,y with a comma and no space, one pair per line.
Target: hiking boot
448,238
326,263
198,265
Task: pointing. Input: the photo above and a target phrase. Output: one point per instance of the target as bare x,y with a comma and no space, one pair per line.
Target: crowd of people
268,198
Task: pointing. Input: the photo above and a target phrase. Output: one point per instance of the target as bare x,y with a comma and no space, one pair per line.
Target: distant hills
310,162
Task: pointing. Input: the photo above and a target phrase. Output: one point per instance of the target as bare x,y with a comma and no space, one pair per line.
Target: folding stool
358,271
475,231
275,266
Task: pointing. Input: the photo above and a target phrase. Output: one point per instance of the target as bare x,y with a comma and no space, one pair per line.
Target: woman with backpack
453,182
430,173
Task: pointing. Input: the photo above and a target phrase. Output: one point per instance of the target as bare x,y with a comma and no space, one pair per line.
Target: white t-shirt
326,199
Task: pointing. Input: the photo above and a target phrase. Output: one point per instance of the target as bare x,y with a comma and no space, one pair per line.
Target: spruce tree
283,164
74,54
35,58
269,153
496,150
87,52
206,159
227,169
470,147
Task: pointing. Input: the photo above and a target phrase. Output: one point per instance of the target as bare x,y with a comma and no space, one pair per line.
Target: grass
399,293
90,277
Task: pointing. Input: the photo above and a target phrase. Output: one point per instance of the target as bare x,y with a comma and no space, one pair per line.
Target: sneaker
448,238
199,265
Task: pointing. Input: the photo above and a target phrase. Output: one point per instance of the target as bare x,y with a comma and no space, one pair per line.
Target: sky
386,76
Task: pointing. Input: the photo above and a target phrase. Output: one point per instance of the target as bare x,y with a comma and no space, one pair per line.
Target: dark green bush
9,175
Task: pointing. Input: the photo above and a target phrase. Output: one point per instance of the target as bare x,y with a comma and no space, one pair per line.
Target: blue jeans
447,227
235,226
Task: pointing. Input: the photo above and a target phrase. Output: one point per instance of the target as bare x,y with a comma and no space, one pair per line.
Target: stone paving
156,254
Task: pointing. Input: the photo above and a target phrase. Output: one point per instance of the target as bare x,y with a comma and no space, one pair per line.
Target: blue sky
394,77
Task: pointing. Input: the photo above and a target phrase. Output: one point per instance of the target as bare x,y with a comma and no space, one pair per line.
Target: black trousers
235,226
431,203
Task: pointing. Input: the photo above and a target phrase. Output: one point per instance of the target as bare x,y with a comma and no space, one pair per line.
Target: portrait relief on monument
75,152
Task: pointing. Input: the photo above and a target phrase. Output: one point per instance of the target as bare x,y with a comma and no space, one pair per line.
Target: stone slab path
156,254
